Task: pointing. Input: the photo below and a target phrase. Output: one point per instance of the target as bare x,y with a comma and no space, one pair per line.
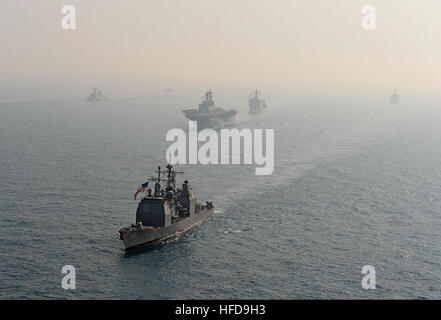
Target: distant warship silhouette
394,98
95,95
257,105
209,116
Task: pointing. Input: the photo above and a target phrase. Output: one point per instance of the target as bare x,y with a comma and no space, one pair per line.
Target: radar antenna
168,176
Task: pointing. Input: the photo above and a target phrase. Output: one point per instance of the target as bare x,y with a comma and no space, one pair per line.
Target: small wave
232,231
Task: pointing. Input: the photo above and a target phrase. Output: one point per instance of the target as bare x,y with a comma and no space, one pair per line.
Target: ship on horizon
256,104
210,116
169,90
95,95
394,98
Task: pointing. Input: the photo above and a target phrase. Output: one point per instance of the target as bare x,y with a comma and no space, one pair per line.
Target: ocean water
355,183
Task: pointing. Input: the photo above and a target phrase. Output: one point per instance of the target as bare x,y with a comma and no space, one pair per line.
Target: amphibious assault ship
165,212
257,105
394,98
95,95
209,116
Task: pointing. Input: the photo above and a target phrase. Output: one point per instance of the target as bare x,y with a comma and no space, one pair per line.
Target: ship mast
170,178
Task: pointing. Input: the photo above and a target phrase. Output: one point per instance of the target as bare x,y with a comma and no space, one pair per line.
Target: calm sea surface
354,184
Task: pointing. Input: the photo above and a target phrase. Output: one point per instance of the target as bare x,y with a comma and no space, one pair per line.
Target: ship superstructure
95,95
256,104
394,98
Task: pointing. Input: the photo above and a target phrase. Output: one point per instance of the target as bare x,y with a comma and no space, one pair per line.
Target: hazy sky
281,45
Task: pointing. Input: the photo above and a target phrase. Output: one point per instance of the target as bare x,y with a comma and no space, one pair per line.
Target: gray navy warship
209,116
165,213
95,95
257,105
394,98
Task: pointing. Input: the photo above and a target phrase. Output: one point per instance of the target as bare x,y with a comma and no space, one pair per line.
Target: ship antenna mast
171,177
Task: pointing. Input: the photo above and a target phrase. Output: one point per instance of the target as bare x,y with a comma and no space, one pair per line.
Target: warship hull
211,122
134,237
257,109
95,99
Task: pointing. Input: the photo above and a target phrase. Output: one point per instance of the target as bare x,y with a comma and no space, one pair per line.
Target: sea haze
355,183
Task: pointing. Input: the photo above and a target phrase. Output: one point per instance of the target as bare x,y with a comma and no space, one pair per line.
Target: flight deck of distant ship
209,116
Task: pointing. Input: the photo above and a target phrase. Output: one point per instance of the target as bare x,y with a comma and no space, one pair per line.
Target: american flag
142,188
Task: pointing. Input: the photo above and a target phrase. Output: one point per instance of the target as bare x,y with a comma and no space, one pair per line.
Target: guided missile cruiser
165,212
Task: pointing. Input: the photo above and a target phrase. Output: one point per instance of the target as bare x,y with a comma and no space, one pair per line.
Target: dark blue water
354,184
